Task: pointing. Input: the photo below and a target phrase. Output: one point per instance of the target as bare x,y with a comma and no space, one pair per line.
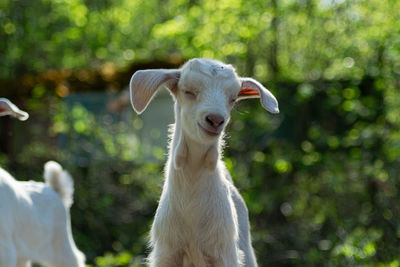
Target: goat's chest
204,210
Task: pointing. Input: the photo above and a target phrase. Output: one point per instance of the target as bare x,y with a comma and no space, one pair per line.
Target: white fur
8,108
35,221
201,219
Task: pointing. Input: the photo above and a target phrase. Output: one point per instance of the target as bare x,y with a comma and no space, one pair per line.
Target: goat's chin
197,134
208,137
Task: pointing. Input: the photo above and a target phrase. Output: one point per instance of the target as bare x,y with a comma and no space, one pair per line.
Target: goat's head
8,108
205,90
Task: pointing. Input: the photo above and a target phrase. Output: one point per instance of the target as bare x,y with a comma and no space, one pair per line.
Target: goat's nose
214,120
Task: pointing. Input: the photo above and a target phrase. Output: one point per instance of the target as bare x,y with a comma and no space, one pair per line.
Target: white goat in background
201,219
35,221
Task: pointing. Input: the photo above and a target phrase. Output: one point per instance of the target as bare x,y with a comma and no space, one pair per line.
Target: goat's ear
8,108
251,88
144,84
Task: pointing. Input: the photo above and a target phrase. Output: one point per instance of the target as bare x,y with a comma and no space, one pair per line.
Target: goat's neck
188,154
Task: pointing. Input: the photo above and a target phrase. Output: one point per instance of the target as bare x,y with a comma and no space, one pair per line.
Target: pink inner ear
248,91
3,109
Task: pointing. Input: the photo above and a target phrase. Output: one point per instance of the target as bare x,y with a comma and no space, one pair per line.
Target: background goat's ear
251,88
144,84
8,108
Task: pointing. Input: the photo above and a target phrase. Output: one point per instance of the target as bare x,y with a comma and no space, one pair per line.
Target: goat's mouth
210,131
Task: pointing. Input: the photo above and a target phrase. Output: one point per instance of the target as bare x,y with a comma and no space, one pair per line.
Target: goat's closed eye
190,94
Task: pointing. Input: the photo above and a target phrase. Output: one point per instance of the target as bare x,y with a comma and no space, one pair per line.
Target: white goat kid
35,222
201,219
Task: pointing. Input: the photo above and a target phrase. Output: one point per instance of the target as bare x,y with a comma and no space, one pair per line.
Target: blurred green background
321,179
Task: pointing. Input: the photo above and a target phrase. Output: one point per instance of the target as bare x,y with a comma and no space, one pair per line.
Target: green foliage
317,39
321,179
121,259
